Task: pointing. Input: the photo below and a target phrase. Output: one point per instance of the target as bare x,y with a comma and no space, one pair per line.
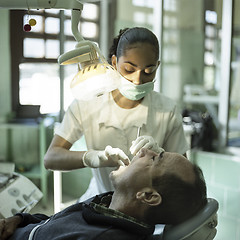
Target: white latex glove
145,142
110,157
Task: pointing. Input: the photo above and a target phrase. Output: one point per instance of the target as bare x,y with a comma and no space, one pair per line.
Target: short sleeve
71,125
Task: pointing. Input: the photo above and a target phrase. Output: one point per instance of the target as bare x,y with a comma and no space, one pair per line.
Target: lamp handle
75,19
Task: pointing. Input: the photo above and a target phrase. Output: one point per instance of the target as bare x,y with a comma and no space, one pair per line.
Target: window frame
17,36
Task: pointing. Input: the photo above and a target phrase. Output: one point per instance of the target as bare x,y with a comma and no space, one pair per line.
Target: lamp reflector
95,80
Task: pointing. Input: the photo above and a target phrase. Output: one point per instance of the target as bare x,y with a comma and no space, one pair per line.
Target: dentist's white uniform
103,123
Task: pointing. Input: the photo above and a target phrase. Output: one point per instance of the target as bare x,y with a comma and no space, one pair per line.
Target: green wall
5,79
223,182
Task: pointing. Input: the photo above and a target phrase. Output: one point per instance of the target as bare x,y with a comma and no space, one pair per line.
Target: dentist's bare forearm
59,157
62,159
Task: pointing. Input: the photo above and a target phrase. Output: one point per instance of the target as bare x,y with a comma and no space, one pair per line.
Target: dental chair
202,226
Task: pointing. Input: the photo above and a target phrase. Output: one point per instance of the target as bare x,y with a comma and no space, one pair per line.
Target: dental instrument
138,132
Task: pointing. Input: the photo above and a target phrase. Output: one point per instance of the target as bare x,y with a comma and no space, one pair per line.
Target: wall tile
217,193
227,228
226,173
223,183
233,203
207,168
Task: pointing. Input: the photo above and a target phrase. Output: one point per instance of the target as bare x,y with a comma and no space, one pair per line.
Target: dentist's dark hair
129,36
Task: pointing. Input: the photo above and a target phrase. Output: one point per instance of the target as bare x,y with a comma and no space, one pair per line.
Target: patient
162,188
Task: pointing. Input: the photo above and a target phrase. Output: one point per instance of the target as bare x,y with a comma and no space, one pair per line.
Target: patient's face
148,165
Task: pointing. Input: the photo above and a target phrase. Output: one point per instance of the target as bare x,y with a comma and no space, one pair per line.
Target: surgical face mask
133,91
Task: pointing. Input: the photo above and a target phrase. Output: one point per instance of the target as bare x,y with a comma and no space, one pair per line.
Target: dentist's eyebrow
148,66
131,63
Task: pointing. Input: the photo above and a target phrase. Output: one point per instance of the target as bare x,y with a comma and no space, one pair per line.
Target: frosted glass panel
39,85
67,27
52,25
39,22
52,49
139,17
33,47
53,11
69,45
90,11
89,30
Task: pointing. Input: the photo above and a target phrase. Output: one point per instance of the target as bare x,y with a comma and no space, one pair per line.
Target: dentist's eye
129,72
129,69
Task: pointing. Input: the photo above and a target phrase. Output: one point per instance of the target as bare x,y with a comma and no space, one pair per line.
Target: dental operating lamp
95,75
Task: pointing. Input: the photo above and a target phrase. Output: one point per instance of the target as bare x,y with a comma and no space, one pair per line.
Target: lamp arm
75,5
75,19
41,4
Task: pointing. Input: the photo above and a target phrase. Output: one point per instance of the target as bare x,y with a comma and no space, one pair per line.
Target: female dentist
110,122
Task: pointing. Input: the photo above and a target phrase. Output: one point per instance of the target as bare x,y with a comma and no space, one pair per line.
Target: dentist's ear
114,61
149,196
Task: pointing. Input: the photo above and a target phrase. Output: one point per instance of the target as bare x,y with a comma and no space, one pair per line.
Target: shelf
35,172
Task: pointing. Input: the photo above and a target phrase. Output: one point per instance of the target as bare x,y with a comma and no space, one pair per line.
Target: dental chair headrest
201,226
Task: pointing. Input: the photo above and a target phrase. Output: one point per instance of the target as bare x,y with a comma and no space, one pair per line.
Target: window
211,43
35,70
143,12
234,100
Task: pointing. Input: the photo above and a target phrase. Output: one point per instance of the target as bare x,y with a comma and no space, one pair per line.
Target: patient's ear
149,196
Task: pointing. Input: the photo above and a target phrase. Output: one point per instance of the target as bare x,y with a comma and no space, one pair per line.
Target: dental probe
138,132
133,142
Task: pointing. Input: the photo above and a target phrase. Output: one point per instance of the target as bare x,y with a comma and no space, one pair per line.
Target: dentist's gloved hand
110,157
145,142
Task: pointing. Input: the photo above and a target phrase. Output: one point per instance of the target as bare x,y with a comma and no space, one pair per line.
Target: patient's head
166,188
